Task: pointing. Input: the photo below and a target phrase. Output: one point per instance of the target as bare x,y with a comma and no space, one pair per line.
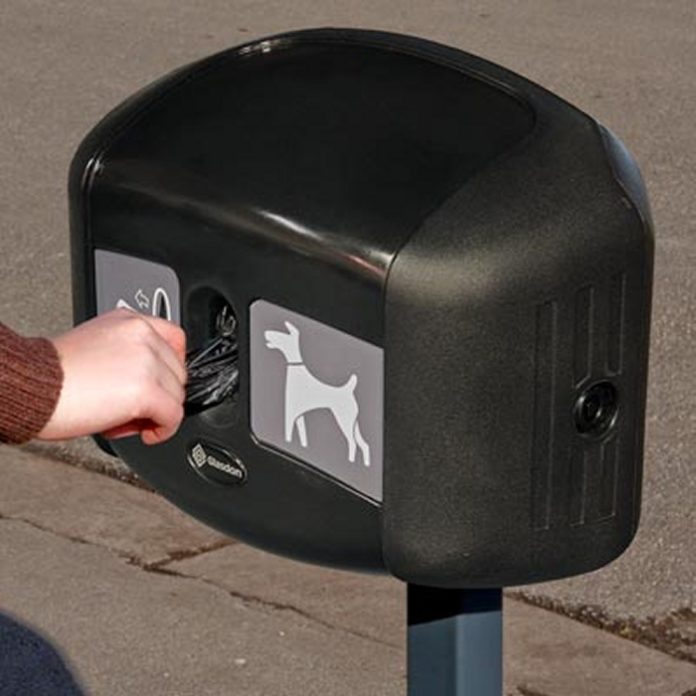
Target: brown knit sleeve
31,378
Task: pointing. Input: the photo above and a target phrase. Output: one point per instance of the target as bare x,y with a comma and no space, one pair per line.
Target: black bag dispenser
438,275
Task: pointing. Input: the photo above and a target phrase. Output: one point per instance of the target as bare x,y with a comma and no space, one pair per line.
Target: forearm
31,378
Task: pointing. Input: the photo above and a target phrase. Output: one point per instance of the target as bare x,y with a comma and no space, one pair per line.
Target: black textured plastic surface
549,293
493,239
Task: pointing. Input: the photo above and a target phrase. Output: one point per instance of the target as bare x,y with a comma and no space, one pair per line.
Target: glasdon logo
215,464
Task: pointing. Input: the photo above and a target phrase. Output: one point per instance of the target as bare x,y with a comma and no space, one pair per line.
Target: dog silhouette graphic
304,393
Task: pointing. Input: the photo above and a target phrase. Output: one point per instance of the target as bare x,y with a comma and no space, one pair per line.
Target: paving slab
548,657
86,506
236,620
368,605
545,653
629,62
124,631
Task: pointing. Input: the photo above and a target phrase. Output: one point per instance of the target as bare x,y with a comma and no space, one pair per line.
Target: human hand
124,374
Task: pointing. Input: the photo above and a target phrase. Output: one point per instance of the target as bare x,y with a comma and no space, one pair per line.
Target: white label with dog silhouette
317,394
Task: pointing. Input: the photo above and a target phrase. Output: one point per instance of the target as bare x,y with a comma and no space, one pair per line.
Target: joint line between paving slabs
161,568
656,634
256,601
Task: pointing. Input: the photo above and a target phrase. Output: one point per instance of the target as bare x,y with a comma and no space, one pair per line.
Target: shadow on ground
30,664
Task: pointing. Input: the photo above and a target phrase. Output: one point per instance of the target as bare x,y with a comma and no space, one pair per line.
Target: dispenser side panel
527,289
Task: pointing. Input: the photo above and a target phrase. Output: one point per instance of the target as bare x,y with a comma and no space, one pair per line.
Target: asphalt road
628,62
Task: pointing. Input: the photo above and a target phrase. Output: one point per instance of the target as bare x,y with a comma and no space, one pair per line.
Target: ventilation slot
544,413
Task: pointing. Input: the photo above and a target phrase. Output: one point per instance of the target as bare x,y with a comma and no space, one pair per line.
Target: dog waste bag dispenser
438,276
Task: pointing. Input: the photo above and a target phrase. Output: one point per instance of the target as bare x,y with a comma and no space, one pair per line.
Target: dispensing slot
212,362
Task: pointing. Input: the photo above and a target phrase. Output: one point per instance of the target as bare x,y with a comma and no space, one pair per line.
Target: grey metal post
455,642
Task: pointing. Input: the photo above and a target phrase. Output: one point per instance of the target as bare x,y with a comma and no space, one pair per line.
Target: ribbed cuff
31,379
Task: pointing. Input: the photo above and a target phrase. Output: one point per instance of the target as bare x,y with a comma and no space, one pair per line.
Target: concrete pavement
629,62
135,598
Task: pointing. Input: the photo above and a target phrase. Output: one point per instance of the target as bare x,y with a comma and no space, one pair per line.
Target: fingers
168,338
124,373
161,405
167,342
161,413
167,414
160,391
163,386
172,334
172,360
171,381
134,427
